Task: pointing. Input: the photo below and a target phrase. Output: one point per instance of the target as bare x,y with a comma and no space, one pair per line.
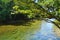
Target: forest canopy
30,9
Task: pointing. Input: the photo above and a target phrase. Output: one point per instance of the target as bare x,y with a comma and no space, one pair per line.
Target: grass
20,32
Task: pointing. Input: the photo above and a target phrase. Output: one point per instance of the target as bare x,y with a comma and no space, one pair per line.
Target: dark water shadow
17,22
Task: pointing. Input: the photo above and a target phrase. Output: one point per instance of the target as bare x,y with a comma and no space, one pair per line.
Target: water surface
46,32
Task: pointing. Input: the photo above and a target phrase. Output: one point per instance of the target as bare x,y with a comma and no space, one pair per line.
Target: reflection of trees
50,21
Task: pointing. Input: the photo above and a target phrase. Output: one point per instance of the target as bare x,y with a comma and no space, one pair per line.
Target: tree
52,8
44,9
31,8
6,7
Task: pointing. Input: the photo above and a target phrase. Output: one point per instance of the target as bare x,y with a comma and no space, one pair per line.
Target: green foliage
6,8
28,7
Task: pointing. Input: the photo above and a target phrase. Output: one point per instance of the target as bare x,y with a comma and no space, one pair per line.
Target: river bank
11,32
56,29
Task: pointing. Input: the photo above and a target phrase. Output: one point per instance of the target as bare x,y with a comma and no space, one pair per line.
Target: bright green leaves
16,7
25,11
46,2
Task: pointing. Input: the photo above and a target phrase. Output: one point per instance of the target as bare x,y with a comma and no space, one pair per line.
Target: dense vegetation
29,9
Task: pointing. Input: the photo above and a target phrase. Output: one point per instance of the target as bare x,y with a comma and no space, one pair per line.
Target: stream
45,32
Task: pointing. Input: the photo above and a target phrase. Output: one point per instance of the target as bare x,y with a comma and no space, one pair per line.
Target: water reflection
45,33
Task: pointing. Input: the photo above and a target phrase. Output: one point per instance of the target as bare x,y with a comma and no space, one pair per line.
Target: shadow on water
17,22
